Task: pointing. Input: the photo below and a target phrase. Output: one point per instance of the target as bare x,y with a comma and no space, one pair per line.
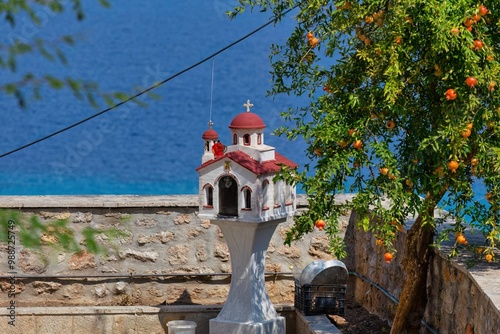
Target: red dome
247,120
210,134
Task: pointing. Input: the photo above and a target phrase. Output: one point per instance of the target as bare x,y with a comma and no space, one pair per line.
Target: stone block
201,253
291,252
82,260
124,324
24,324
178,254
94,324
57,324
32,262
160,237
101,290
221,251
143,256
42,287
83,218
146,222
73,291
182,219
149,323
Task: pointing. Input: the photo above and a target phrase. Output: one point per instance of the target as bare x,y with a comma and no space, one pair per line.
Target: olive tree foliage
404,112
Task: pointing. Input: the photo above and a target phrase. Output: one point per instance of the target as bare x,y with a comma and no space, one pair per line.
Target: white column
248,309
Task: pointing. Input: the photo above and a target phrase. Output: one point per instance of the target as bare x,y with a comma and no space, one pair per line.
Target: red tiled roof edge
253,165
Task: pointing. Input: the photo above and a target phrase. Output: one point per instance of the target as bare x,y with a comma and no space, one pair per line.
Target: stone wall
459,298
166,255
121,319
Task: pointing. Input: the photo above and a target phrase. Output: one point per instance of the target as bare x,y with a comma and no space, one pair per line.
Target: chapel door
228,197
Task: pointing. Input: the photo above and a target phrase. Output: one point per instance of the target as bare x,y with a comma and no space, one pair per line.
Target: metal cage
320,299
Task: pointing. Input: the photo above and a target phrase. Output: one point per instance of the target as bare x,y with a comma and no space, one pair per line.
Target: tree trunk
413,299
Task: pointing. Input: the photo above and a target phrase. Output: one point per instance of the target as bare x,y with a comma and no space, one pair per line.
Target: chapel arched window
246,140
247,198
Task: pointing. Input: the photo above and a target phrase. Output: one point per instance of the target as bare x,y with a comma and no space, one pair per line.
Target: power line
154,86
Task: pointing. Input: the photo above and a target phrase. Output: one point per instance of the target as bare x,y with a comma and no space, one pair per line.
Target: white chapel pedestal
248,309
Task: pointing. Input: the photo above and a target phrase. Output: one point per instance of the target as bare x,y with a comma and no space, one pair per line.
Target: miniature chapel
239,183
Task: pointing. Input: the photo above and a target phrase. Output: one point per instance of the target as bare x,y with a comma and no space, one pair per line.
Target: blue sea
135,149
130,46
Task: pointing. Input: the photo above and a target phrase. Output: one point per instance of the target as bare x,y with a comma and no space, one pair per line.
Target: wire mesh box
320,299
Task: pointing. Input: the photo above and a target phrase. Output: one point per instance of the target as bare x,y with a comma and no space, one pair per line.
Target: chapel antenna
210,123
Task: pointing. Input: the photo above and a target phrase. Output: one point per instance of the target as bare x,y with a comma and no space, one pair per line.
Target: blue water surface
132,149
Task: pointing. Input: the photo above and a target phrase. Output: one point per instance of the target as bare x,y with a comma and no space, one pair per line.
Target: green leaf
21,102
54,82
105,3
56,6
121,96
60,55
9,17
68,39
43,51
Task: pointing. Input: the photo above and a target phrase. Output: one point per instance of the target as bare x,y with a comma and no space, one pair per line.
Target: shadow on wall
184,299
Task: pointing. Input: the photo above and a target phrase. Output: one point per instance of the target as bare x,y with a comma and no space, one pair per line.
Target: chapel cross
248,105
